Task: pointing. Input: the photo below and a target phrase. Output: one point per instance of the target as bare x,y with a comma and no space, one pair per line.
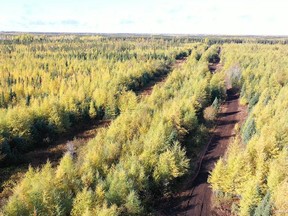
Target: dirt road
195,197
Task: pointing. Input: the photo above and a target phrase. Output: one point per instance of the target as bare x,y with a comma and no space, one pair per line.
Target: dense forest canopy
51,82
254,172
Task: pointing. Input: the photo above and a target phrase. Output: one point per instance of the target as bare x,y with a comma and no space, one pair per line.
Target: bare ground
195,196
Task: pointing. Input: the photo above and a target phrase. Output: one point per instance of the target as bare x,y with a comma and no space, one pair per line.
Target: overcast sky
252,17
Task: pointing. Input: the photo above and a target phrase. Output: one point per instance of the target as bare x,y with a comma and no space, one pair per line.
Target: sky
228,17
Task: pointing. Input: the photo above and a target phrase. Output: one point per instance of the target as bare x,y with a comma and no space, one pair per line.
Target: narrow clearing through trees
79,135
195,196
147,90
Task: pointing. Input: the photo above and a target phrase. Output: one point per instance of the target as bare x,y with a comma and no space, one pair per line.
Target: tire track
195,198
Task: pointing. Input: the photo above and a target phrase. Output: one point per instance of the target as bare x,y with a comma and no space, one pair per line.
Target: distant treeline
15,37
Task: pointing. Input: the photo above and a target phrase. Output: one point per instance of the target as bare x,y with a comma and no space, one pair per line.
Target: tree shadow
227,114
229,122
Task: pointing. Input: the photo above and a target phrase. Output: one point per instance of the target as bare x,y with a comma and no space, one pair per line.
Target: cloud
126,22
70,22
135,16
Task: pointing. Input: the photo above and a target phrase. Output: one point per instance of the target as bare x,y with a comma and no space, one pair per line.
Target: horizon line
162,34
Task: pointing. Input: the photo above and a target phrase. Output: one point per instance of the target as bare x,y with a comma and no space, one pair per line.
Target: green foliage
136,159
253,101
42,132
50,83
216,104
66,175
171,164
249,129
127,101
119,186
92,110
59,118
106,210
214,58
280,197
261,183
211,55
82,203
133,204
6,150
218,86
216,178
265,207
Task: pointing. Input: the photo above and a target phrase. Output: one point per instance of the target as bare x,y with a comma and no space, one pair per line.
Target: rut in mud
195,197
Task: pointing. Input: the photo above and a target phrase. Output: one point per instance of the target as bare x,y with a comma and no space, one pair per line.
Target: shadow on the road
183,211
193,198
226,122
227,114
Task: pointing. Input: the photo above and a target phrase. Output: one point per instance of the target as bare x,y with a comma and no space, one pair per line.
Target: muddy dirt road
195,197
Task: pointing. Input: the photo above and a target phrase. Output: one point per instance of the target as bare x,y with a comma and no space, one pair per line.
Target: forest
51,83
253,175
